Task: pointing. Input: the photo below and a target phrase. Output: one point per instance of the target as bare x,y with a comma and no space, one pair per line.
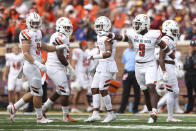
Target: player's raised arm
118,37
166,49
53,48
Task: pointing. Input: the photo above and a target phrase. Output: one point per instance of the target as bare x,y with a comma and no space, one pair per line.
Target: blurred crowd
83,13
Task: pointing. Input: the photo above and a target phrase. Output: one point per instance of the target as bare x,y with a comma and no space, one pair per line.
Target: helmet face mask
99,27
35,25
137,25
33,21
175,32
102,23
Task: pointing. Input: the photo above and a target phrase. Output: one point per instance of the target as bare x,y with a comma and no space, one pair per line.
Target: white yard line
113,127
85,114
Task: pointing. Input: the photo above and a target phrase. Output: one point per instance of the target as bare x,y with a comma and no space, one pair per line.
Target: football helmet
64,25
141,22
102,23
33,21
170,28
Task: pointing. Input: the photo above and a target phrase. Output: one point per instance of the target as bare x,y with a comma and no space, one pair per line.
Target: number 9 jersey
144,45
35,38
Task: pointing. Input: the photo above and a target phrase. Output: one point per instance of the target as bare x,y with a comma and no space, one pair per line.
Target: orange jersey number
142,50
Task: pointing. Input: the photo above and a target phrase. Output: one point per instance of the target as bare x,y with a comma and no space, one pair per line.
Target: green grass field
125,122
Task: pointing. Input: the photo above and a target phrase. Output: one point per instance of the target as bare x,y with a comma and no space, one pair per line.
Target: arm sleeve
25,35
58,40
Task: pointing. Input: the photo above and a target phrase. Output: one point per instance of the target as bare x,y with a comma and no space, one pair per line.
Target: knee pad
36,87
63,89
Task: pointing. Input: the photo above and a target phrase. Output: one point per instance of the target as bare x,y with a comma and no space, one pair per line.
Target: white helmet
170,28
141,22
33,21
64,25
102,23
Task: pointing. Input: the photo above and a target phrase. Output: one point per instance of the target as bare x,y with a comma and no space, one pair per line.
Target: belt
169,62
142,62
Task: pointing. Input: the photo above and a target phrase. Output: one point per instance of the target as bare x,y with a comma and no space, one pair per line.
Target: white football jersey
15,63
144,45
52,59
82,62
108,64
35,37
171,44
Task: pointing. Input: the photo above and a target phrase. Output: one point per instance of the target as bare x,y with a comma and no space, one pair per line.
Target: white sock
47,105
96,100
19,104
107,102
65,110
95,112
162,102
170,104
38,112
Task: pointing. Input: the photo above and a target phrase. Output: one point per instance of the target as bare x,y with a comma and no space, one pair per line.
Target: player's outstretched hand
40,66
90,57
63,46
103,33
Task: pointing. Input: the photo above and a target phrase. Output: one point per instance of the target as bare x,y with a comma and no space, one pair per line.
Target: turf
125,122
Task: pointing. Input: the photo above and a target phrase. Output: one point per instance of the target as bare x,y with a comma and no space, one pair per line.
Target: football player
171,30
105,71
31,44
14,62
144,42
81,64
56,67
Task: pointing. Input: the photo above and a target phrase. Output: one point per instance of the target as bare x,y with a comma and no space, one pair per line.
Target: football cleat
172,119
110,117
153,117
12,112
43,120
93,118
67,118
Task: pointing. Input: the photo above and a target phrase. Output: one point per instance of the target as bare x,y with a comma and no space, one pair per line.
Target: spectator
190,76
81,32
128,59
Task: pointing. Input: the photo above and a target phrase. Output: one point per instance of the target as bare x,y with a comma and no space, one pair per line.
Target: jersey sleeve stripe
159,36
27,35
164,42
57,42
24,37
